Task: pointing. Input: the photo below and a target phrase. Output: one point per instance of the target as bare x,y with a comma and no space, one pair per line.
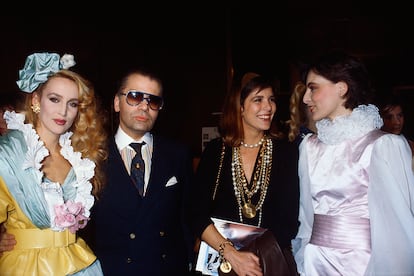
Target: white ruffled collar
362,120
84,168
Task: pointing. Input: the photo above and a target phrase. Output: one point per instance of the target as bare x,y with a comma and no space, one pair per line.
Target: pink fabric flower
70,215
74,207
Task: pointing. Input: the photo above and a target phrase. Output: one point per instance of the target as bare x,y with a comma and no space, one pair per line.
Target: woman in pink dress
356,183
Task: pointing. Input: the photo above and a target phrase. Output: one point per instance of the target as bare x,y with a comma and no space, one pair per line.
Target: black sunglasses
136,97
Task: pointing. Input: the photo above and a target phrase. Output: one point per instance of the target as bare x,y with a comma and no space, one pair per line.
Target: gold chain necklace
261,180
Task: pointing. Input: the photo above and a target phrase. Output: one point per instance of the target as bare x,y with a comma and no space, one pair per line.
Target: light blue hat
39,67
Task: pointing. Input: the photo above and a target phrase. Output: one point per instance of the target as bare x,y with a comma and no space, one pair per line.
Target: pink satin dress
357,201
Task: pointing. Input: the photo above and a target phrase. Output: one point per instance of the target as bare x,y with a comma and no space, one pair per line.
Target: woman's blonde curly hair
89,133
297,111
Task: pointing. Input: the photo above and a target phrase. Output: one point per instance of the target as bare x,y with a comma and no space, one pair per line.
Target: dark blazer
144,236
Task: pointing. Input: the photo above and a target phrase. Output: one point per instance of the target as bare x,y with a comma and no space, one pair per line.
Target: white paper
239,234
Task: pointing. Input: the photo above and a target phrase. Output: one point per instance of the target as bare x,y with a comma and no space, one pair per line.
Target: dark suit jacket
144,236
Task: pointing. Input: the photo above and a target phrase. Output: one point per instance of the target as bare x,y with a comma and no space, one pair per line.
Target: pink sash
341,232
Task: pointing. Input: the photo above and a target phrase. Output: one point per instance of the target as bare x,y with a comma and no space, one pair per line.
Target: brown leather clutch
273,260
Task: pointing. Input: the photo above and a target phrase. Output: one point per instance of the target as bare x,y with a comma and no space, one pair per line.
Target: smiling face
58,100
324,98
258,110
139,119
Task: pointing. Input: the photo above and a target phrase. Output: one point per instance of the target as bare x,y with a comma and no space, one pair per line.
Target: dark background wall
197,49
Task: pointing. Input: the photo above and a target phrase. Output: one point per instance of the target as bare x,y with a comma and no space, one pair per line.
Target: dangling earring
36,108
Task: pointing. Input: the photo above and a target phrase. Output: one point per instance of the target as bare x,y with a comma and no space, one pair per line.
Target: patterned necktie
138,168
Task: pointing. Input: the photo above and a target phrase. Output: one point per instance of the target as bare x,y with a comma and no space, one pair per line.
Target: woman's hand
243,263
7,241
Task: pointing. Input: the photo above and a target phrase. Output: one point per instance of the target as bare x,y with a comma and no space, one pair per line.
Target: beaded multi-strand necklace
260,181
258,144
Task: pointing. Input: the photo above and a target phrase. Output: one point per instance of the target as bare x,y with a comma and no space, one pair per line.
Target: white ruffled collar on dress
362,120
84,168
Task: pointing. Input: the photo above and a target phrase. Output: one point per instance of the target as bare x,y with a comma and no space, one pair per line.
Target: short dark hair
338,65
144,71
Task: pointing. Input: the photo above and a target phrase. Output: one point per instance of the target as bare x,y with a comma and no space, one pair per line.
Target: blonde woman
51,170
300,123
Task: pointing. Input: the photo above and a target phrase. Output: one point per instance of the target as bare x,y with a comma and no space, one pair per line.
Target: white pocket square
171,181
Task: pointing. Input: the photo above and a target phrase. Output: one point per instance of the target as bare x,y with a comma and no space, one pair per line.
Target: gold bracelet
223,245
225,266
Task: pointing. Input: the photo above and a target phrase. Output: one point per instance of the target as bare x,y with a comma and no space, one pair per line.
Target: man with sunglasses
143,233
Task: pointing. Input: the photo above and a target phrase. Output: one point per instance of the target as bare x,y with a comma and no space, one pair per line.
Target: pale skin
324,98
311,123
257,114
58,110
137,120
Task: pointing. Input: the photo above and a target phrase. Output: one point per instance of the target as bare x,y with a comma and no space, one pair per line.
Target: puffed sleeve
391,208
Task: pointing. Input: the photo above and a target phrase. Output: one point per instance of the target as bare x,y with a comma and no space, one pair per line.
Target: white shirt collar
122,139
